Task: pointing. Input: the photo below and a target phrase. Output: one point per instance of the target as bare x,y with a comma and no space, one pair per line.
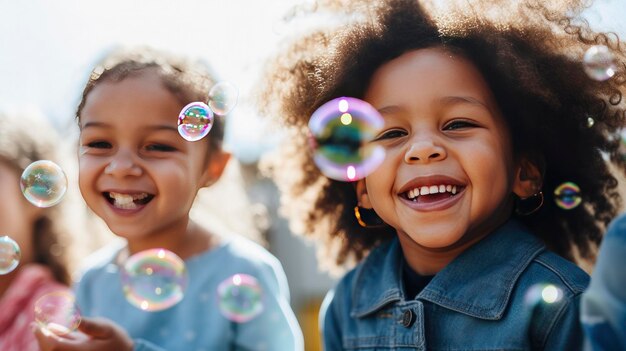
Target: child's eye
160,148
459,124
391,134
99,145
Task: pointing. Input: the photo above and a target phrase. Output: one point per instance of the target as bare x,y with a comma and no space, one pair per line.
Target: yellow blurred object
309,322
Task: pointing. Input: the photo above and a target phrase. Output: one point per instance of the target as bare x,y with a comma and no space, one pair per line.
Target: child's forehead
136,99
433,72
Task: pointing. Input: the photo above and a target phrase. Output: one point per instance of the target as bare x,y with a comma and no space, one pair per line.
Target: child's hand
92,335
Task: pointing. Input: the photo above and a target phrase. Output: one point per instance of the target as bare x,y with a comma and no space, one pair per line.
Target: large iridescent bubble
195,121
10,255
57,312
43,183
341,134
240,298
567,196
223,98
154,280
599,63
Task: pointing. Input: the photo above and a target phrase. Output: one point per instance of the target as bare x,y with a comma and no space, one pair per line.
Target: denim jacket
486,299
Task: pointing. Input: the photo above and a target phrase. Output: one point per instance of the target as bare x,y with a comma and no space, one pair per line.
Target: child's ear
361,195
528,178
215,167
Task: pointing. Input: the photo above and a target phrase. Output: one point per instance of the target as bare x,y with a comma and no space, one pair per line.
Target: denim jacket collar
478,282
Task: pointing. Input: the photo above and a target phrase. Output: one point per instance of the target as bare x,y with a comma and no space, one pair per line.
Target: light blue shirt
603,310
195,323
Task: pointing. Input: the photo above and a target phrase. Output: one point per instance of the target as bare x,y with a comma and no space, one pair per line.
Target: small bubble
10,255
195,121
223,98
43,183
599,63
590,122
567,196
240,298
57,312
542,294
154,280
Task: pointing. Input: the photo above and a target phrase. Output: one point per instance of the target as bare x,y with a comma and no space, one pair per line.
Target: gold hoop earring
529,205
367,218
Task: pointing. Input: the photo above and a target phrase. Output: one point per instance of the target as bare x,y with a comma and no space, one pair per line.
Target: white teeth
432,189
126,201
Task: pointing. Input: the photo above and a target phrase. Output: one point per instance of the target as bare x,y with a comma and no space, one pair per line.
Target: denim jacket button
408,317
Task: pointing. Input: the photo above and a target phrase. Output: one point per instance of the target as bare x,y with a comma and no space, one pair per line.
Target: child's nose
424,151
123,164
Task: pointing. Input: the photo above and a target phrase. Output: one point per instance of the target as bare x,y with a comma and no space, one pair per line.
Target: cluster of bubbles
567,195
154,279
599,63
240,298
10,255
57,312
196,119
43,183
341,134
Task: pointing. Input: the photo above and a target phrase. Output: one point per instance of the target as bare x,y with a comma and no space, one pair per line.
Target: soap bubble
223,98
10,255
599,63
154,280
341,132
567,196
43,183
240,298
543,294
57,312
195,121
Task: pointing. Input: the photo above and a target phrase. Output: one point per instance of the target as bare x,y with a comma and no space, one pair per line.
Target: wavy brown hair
186,79
531,56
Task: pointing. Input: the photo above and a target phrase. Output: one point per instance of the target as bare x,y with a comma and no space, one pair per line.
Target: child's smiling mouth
127,201
432,193
432,190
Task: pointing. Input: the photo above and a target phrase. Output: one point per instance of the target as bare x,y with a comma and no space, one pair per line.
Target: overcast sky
48,47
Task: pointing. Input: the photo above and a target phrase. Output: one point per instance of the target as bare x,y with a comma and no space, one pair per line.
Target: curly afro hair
531,56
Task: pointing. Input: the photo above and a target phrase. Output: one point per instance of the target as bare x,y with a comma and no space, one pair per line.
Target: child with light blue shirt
603,307
141,177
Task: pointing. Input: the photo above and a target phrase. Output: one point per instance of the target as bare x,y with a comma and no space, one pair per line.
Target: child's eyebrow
165,127
454,100
153,127
95,124
446,100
